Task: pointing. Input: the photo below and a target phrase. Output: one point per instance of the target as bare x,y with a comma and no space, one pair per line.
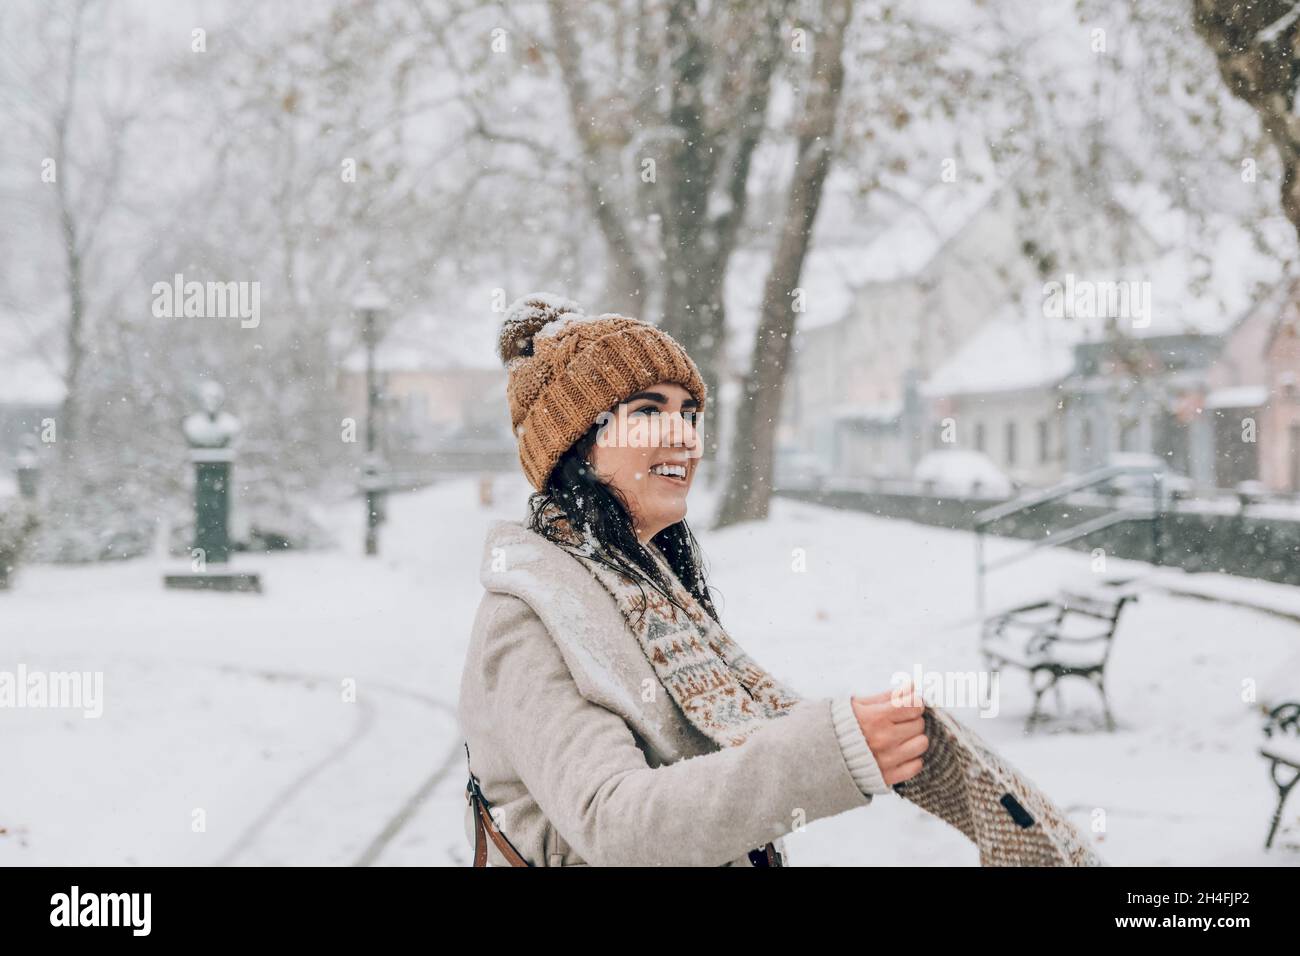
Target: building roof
1237,396
881,412
26,377
1030,344
1288,315
29,382
422,341
1020,349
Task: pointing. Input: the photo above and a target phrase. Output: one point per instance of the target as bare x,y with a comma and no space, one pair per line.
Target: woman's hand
891,721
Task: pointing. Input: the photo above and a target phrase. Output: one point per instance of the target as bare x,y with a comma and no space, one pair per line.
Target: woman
608,717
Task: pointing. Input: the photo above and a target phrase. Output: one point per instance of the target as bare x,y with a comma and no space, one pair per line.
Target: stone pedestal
222,579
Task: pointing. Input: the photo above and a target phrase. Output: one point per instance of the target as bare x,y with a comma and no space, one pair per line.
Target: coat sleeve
581,764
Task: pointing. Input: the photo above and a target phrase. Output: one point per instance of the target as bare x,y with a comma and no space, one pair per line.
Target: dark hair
600,514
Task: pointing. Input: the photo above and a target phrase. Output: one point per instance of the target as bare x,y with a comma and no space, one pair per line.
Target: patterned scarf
726,695
722,691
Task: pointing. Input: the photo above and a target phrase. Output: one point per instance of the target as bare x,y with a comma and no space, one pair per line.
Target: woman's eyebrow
661,399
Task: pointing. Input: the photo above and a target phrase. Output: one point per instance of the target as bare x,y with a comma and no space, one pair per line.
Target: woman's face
647,449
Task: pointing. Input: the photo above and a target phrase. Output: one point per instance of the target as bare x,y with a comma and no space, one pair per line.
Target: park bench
1066,636
1282,749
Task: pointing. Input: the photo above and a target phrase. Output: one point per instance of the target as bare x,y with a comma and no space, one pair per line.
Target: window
979,436
1011,443
1044,441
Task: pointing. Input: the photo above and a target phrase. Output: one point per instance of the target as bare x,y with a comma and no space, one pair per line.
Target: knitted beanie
566,368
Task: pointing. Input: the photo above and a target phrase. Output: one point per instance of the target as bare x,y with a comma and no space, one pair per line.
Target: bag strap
766,855
485,825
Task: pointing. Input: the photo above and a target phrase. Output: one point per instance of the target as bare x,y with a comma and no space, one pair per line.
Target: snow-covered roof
26,378
1020,349
422,341
1030,343
879,412
1239,396
29,381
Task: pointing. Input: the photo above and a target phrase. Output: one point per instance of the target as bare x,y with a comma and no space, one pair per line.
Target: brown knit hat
566,368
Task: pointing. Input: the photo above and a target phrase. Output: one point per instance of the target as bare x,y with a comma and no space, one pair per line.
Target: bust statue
211,427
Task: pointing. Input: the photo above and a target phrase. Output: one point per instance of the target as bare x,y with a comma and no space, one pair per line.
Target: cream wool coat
584,755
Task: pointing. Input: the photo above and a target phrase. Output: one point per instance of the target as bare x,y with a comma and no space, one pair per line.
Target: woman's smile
673,472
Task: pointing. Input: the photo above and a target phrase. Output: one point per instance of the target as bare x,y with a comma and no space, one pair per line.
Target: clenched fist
891,721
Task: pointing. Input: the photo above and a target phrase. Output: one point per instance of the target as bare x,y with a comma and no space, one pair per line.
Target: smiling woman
598,663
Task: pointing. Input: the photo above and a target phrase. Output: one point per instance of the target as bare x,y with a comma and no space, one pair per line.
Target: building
947,264
1002,393
443,404
1185,383
1144,360
1279,438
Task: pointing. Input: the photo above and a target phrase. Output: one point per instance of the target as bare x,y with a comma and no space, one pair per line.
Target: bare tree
715,71
81,135
749,485
667,103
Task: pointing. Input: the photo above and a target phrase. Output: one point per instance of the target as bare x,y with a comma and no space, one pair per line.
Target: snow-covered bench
1282,749
1066,636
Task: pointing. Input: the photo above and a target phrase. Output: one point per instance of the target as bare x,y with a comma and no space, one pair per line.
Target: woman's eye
647,409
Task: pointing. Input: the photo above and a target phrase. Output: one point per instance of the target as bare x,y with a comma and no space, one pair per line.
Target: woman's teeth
669,471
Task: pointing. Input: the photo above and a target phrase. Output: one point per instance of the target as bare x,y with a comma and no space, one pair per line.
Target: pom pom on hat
527,316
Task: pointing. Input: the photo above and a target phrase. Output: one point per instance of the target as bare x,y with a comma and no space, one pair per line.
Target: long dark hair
599,513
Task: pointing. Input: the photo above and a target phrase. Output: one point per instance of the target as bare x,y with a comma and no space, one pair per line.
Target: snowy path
232,704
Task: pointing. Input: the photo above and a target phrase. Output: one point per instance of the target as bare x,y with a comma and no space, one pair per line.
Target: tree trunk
691,288
749,486
710,170
70,412
1255,47
625,284
701,193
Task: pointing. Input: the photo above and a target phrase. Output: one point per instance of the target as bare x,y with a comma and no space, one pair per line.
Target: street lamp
372,306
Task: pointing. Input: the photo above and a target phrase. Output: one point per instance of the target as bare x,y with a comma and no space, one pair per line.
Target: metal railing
1091,479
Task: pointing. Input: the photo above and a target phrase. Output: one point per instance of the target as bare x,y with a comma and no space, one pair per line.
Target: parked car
798,469
955,471
1142,483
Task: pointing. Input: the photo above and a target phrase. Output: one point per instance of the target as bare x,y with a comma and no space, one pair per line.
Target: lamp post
372,306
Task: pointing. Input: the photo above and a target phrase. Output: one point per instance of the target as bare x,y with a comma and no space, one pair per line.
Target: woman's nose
683,432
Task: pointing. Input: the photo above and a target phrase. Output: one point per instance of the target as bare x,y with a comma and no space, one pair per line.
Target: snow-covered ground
231,708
